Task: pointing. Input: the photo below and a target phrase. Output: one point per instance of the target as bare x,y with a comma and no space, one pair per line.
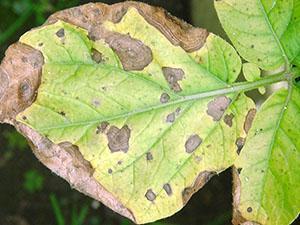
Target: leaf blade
269,177
263,31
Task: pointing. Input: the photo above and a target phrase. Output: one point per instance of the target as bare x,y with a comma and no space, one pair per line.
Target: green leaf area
265,32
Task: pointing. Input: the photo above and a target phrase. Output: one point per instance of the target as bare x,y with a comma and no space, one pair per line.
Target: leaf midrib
274,137
277,40
237,87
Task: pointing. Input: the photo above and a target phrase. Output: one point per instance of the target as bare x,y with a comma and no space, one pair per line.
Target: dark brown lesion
20,74
173,76
102,127
240,142
150,195
164,98
168,189
118,139
91,16
249,119
97,56
228,119
192,143
217,107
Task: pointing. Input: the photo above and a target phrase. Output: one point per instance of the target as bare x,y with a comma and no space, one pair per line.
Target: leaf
265,32
153,121
252,73
268,185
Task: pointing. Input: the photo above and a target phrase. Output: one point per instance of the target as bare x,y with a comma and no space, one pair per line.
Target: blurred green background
31,195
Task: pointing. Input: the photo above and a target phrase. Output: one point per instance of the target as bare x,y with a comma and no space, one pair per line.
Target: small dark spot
41,44
118,139
25,90
62,113
249,119
97,12
164,98
97,56
149,156
24,118
252,46
234,71
168,189
239,170
192,143
173,75
228,119
109,171
171,117
24,59
259,60
96,102
198,159
102,127
249,209
217,107
240,142
150,195
177,111
120,162
60,33
297,79
208,146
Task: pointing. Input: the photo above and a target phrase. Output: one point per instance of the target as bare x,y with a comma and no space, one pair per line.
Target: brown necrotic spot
110,171
249,209
150,195
173,75
96,102
228,119
192,143
97,56
164,98
170,118
133,53
149,156
168,189
249,119
25,90
217,107
60,33
118,139
240,142
102,127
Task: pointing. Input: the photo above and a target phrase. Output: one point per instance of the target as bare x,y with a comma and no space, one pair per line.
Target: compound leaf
154,129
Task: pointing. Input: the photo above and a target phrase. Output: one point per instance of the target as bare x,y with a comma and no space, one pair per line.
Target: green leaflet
252,73
150,146
265,32
269,162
